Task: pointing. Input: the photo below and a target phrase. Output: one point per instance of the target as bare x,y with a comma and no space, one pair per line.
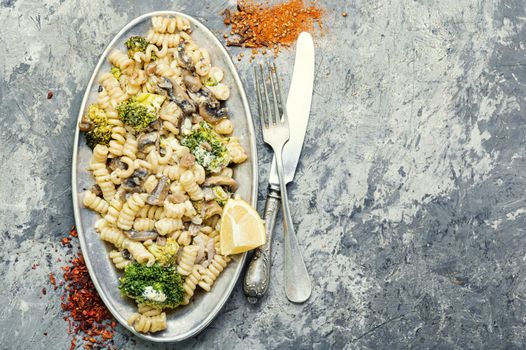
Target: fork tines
270,108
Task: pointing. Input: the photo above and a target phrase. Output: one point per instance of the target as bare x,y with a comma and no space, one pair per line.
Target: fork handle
297,282
257,277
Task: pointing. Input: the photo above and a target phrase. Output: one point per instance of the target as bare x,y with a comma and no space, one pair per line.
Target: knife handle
257,277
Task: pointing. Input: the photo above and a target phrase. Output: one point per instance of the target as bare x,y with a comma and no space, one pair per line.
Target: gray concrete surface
409,200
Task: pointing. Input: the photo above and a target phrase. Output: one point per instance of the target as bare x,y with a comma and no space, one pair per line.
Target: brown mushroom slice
177,94
85,125
134,182
211,209
177,198
149,139
160,192
221,181
212,115
183,59
141,236
116,163
192,82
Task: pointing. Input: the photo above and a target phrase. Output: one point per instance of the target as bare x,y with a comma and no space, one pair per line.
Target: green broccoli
221,195
210,81
101,130
156,285
208,147
166,254
141,110
138,44
116,72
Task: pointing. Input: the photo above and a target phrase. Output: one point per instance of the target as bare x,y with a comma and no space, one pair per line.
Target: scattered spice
49,95
44,292
34,266
344,14
52,280
88,318
263,26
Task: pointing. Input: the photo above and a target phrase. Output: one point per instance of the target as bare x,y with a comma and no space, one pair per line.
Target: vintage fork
275,126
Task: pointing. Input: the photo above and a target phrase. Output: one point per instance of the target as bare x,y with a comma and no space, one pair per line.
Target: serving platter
189,320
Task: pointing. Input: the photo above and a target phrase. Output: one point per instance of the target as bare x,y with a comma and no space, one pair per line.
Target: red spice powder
88,318
264,26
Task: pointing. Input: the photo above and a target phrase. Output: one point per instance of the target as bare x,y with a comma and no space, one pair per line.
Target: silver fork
275,126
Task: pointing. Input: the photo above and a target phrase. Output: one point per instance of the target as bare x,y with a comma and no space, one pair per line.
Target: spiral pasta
139,252
211,273
162,24
118,259
237,153
172,40
114,236
129,210
166,226
95,203
114,208
187,259
143,224
224,127
190,283
145,324
108,82
151,212
120,60
189,184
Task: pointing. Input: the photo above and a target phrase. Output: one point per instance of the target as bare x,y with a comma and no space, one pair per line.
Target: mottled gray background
409,199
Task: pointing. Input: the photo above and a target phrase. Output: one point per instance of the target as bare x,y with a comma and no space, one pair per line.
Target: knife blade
298,108
298,105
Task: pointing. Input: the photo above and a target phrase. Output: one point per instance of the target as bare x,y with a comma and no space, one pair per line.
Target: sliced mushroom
192,82
95,189
134,182
177,198
210,251
208,194
178,95
151,68
221,180
126,254
211,209
205,96
160,192
183,59
141,236
85,124
116,163
149,139
212,115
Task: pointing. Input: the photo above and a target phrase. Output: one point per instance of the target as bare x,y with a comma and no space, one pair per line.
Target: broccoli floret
101,130
221,195
116,72
137,44
156,285
210,82
166,254
208,147
141,110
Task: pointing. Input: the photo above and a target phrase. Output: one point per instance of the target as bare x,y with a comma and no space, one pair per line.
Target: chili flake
89,321
264,26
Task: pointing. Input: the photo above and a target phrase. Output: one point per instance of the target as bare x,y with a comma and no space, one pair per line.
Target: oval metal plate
189,320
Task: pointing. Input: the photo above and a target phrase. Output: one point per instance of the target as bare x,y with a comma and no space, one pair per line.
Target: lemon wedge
241,228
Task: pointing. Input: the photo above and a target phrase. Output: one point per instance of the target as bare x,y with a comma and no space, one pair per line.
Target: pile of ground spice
265,27
89,321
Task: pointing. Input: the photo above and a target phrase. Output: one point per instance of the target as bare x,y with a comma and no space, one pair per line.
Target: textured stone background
409,199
